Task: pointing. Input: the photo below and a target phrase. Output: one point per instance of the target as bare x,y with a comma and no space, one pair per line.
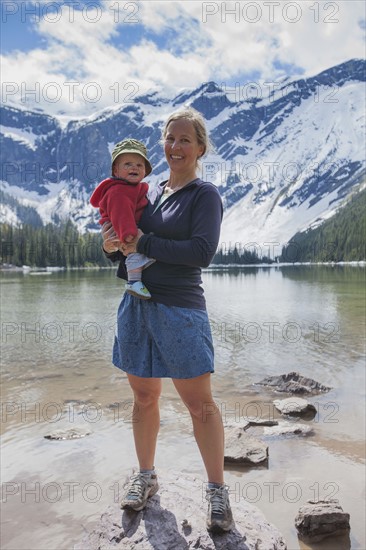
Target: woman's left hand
128,248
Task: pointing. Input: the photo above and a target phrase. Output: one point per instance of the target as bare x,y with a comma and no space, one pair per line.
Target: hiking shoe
138,289
219,515
140,488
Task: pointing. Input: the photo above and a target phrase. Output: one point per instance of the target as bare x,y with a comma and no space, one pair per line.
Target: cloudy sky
77,57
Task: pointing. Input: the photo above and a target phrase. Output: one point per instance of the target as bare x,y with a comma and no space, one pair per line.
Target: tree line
51,246
341,238
64,246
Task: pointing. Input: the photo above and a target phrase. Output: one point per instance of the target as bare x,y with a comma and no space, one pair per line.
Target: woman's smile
182,149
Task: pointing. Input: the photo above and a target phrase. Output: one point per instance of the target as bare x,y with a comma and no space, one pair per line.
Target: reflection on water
57,334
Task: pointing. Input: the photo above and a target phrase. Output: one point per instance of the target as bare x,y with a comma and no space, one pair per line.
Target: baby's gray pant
137,260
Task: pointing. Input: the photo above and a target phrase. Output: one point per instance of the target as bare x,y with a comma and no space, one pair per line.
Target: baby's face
130,167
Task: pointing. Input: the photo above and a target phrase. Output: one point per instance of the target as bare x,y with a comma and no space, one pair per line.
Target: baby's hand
129,239
130,242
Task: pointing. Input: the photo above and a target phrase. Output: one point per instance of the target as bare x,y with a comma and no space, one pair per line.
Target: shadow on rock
175,518
161,527
221,542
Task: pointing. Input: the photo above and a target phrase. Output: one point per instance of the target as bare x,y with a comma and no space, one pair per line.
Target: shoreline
54,269
358,263
218,267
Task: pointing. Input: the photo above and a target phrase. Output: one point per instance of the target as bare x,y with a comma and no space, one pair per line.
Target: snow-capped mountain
285,155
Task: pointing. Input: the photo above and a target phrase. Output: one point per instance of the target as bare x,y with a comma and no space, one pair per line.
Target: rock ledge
175,518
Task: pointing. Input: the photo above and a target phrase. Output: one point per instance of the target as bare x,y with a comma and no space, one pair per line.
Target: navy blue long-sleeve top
182,234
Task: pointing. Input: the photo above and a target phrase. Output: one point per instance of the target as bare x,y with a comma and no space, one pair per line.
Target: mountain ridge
280,161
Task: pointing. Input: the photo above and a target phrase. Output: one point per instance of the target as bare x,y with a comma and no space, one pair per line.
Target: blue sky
102,45
20,30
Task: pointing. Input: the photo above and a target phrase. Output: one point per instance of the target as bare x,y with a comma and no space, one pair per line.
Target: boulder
294,406
293,382
175,519
242,448
317,520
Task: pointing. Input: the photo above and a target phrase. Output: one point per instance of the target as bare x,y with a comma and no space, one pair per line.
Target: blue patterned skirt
159,341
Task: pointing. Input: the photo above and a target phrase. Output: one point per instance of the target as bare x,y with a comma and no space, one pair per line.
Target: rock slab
175,519
293,382
317,520
242,448
294,406
73,433
288,429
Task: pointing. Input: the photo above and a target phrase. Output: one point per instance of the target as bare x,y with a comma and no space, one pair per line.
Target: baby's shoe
138,289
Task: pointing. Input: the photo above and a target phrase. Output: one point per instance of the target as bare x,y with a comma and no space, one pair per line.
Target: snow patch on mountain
281,162
26,136
7,215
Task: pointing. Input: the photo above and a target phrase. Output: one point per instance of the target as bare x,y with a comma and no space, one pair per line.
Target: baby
121,200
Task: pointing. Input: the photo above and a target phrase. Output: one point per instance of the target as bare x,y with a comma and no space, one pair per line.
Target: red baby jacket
121,203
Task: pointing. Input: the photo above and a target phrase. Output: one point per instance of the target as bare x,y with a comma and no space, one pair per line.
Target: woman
169,335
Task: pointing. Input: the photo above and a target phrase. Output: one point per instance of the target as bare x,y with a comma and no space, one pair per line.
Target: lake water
57,334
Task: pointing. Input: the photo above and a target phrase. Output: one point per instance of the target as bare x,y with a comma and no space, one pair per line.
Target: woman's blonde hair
198,122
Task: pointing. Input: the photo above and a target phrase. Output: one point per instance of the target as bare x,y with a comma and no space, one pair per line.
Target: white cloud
157,16
185,43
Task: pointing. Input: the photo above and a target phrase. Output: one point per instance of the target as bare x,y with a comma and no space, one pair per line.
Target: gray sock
147,472
133,277
213,485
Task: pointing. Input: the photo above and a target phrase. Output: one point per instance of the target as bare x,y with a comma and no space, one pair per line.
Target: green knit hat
132,146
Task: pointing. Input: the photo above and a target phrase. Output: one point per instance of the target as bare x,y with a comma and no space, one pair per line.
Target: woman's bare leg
145,418
207,423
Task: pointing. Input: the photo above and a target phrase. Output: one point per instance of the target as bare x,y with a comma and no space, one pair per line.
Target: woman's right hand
111,243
